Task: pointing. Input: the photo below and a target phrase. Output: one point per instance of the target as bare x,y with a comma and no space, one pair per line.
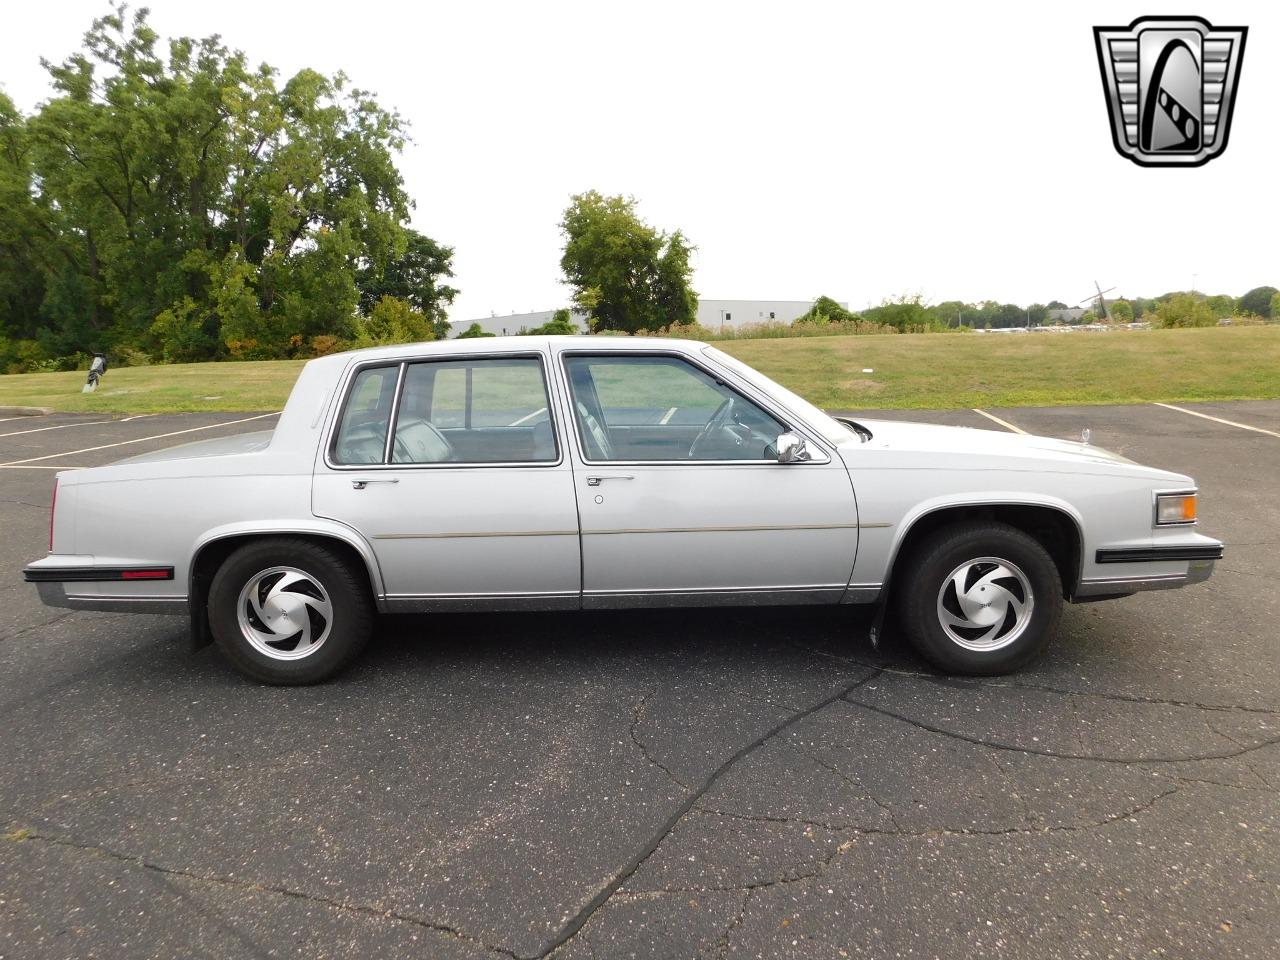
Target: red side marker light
144,575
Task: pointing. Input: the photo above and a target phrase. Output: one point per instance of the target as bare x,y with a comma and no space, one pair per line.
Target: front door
454,471
682,498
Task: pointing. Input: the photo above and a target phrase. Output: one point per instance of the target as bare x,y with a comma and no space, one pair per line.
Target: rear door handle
361,484
596,481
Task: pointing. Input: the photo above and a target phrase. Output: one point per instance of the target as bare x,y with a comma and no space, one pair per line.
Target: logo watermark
1170,84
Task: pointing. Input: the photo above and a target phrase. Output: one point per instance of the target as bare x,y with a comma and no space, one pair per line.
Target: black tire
343,597
925,591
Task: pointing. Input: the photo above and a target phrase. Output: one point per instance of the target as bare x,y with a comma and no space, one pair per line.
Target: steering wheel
714,426
434,448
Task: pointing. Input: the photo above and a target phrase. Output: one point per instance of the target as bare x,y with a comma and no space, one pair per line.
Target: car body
590,472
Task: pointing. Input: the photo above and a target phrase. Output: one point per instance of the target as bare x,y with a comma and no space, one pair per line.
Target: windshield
831,429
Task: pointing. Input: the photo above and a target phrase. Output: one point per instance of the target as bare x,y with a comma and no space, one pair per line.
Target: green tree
908,314
171,196
1275,306
474,331
1258,300
560,324
625,274
1184,310
392,320
1221,305
1122,311
825,310
415,275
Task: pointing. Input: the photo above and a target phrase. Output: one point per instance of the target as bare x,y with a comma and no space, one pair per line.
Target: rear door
454,471
681,496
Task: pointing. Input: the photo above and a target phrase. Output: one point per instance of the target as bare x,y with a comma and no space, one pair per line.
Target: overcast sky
959,150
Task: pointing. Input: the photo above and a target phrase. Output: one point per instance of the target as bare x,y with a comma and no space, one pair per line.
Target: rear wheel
288,611
979,598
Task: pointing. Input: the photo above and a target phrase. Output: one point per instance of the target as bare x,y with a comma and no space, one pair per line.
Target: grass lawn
922,371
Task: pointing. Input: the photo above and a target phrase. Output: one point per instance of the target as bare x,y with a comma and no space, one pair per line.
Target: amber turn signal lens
1176,508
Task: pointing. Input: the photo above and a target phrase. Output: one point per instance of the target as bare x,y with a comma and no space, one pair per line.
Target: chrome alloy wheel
284,613
985,604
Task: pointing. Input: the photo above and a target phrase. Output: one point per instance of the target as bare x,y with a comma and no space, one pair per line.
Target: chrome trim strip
392,422
1198,571
783,596
574,533
758,528
480,603
862,593
54,594
469,535
482,596
694,591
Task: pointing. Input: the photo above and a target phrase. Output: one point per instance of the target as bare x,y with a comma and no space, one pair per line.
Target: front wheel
979,598
288,611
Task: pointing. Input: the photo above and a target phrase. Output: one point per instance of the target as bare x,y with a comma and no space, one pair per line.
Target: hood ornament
1085,434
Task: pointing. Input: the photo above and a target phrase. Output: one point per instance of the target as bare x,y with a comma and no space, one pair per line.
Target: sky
958,151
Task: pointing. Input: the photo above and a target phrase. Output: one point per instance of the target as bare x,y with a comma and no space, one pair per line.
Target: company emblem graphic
1171,85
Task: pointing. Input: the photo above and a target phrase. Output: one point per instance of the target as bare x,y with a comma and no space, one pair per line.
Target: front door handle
361,484
596,481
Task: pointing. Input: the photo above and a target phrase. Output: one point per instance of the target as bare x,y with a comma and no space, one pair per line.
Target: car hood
217,447
936,440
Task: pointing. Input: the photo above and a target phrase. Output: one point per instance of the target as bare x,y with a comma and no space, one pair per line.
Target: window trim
355,369
783,416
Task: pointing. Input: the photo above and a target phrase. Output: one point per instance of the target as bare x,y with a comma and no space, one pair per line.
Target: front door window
663,408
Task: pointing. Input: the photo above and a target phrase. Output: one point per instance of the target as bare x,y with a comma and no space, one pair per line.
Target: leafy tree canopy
1258,301
172,197
625,274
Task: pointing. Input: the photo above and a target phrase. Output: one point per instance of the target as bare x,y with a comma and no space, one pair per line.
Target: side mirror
791,449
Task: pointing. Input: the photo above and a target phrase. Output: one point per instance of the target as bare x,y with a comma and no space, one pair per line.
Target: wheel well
212,555
1053,529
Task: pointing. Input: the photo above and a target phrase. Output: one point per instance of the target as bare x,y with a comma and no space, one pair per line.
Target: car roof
457,347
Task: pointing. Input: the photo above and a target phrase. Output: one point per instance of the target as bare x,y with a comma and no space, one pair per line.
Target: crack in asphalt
1058,755
249,886
637,715
953,683
584,915
722,945
822,864
854,781
38,626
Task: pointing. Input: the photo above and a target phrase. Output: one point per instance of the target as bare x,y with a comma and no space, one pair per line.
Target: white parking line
1229,423
124,443
666,417
1004,423
38,466
61,426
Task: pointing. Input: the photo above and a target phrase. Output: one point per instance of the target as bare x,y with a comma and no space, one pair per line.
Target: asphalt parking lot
731,783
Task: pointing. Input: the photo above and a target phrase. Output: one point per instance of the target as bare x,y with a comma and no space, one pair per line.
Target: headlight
1173,508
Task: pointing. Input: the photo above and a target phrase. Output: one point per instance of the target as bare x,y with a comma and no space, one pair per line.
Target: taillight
53,507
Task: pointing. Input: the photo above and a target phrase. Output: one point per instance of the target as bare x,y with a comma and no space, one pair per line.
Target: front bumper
1157,567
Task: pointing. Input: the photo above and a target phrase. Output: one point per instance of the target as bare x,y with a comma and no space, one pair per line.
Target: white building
508,325
712,314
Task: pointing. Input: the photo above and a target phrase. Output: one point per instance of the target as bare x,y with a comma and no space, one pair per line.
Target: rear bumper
53,594
111,587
